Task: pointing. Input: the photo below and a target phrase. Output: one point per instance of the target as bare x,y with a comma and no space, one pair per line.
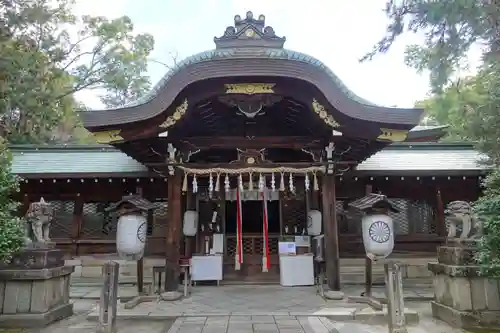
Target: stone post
34,289
463,298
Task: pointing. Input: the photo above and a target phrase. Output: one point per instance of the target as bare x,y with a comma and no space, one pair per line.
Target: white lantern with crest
190,226
131,231
314,222
377,225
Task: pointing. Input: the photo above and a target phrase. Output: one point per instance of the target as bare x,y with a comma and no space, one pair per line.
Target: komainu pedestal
463,298
34,289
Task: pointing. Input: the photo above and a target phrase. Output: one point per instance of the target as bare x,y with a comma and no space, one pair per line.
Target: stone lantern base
34,289
463,298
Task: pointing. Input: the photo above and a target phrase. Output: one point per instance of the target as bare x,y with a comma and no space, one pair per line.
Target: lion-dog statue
39,217
460,213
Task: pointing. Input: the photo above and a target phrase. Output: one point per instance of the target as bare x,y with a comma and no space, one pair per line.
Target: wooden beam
297,165
294,142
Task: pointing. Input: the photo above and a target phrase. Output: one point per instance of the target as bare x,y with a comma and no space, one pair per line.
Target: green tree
12,232
450,107
47,54
451,28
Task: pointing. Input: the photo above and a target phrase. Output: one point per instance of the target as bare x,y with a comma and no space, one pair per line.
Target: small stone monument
34,286
463,298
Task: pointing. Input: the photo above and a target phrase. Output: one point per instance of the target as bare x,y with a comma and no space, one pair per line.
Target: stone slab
35,259
36,320
465,319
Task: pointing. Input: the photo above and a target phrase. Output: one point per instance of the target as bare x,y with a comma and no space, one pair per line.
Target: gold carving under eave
250,88
323,114
107,136
180,111
393,135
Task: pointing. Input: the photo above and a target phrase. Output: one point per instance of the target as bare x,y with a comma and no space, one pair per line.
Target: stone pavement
251,324
411,293
291,324
250,300
242,324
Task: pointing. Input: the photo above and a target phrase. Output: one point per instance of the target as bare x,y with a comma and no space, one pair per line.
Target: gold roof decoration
180,111
393,135
323,114
106,137
249,88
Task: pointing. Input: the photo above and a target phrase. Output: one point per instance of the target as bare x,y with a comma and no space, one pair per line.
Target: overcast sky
337,32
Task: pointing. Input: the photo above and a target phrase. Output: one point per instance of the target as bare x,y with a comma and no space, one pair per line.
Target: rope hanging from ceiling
226,172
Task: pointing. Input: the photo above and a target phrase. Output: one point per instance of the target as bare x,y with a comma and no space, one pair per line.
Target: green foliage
450,27
488,208
471,106
47,54
12,232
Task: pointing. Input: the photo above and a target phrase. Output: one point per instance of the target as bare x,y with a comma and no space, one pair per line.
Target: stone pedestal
463,298
34,289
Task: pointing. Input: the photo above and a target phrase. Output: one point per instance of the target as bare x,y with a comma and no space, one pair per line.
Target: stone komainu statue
39,217
460,213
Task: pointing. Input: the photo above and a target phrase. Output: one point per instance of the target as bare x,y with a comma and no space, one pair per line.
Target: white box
206,268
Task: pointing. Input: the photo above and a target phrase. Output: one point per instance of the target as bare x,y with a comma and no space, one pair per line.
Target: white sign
287,248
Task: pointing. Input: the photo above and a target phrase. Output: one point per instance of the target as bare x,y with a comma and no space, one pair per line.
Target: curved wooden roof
249,49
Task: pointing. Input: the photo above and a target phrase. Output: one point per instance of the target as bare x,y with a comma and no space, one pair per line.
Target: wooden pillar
77,224
440,218
174,230
331,233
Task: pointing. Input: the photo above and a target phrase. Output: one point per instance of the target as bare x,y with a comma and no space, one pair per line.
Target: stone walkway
411,293
250,324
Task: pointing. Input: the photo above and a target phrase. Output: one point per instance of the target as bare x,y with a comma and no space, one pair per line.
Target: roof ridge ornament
249,32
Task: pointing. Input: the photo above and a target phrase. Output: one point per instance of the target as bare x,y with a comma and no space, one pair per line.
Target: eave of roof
65,161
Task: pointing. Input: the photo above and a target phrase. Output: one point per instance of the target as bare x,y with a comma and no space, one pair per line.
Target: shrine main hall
252,137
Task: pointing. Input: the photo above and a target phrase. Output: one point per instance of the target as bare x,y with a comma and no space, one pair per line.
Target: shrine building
226,126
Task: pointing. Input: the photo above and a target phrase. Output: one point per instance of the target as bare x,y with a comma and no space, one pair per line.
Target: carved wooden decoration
251,156
250,105
323,114
393,135
180,111
107,136
250,88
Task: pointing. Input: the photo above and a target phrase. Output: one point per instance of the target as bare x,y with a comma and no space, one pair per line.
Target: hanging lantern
190,226
131,231
313,222
377,225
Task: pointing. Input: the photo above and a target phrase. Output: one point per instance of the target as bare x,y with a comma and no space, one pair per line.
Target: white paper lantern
314,222
190,226
378,235
131,236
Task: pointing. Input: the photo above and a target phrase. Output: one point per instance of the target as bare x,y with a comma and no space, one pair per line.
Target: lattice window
414,217
160,217
348,219
97,223
63,218
293,210
231,246
252,245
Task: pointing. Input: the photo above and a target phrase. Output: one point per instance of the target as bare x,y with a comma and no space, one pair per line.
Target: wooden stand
142,297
